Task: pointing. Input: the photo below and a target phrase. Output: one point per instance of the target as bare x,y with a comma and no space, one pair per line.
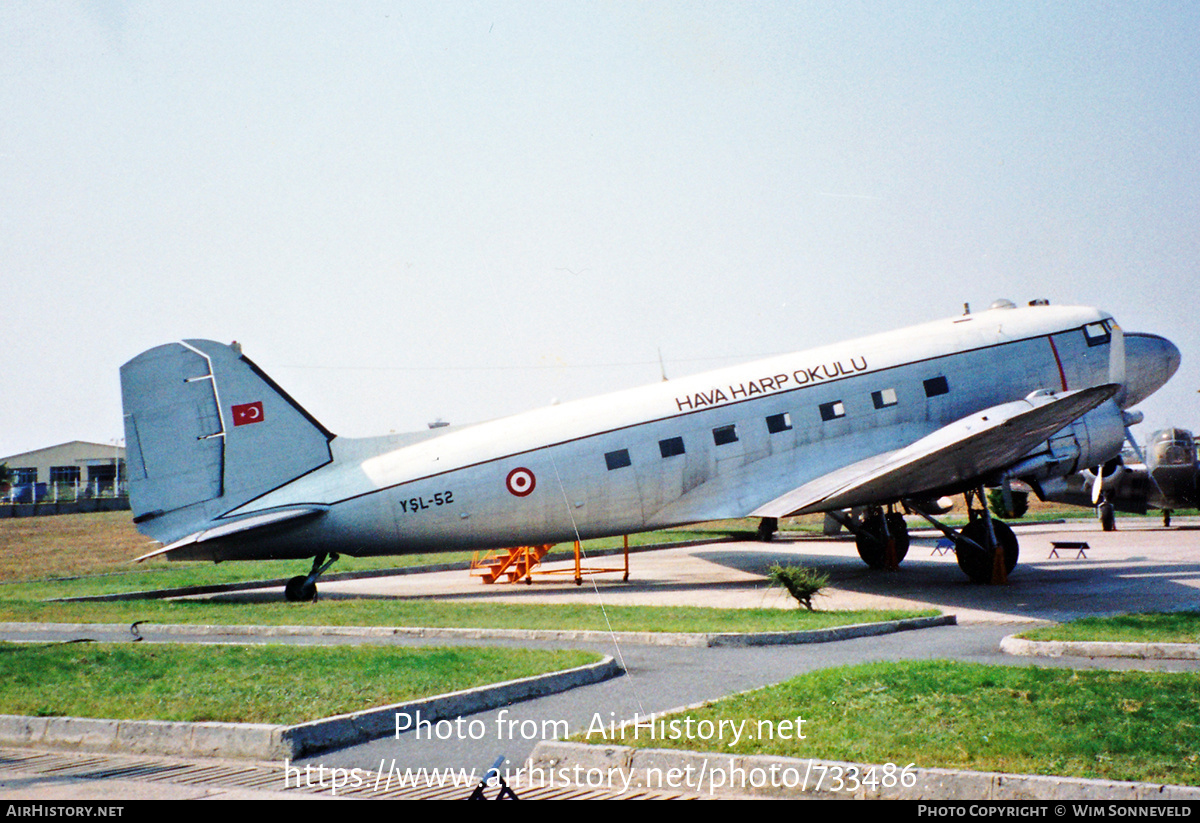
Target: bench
1069,545
943,547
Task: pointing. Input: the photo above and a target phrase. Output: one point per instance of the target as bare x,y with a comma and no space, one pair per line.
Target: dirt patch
65,545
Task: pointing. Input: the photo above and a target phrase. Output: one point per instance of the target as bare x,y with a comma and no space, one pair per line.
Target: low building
68,470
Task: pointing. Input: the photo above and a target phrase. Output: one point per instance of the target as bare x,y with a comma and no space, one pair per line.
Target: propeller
1098,483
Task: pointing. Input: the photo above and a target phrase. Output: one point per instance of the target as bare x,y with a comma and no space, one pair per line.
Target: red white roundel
520,481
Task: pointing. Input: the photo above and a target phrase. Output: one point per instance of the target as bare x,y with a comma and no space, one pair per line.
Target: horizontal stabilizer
965,450
237,527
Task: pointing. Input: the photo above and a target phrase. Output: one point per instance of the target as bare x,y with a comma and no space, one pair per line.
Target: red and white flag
247,413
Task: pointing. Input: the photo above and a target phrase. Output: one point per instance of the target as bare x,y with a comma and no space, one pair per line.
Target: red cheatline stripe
1061,374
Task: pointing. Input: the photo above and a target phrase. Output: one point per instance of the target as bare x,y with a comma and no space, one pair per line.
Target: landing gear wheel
1108,520
767,528
299,590
1166,517
872,545
977,564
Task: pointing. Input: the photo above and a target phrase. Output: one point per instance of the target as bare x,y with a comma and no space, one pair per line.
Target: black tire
1108,520
977,564
767,528
871,546
299,590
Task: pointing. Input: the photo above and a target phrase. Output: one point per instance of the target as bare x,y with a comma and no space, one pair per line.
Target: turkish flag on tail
247,413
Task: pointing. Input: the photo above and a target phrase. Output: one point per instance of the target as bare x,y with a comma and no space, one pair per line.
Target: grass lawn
588,616
1158,627
96,548
1093,724
246,684
81,554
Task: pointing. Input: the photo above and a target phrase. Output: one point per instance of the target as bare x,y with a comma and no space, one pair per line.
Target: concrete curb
149,631
719,775
1060,648
262,741
829,635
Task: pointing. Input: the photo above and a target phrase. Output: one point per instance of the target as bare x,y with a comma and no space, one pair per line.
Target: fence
33,499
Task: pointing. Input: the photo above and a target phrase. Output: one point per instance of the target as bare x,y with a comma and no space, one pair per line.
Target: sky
411,211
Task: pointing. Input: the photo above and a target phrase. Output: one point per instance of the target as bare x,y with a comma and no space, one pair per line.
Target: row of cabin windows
776,423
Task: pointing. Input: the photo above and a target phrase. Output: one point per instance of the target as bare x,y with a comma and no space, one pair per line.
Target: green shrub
801,583
1020,504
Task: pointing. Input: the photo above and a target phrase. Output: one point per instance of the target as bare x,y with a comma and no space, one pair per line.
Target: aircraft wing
964,450
228,528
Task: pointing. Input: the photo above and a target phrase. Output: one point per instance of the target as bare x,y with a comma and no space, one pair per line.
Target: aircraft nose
1150,361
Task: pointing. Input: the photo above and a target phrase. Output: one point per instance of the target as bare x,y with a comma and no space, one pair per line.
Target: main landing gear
767,528
986,548
881,537
302,589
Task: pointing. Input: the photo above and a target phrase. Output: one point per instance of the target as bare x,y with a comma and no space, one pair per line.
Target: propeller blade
1136,449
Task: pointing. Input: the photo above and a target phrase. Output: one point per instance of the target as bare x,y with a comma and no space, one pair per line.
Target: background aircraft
224,465
1164,479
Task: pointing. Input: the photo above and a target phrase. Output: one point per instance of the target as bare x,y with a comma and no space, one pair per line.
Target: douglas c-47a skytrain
224,465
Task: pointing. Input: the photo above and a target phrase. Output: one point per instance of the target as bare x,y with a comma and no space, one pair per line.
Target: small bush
801,583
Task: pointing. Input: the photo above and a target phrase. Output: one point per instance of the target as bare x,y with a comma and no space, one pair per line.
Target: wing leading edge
967,449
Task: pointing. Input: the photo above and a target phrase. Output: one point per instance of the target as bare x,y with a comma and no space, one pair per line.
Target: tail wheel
872,545
299,590
977,564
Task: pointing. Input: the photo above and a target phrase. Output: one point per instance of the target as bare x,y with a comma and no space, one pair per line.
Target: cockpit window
1173,447
1097,334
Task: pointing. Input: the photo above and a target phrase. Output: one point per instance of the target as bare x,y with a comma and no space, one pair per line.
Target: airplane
1167,478
224,465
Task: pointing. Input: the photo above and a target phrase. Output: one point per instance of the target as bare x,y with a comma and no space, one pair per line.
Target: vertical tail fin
207,431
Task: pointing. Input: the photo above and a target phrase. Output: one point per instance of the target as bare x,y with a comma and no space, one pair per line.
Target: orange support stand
512,564
519,563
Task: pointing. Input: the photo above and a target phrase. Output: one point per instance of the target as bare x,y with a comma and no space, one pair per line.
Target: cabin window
935,386
618,459
883,399
777,423
1097,334
834,410
723,435
671,447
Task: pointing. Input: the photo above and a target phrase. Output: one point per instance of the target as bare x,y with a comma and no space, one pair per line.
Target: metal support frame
528,559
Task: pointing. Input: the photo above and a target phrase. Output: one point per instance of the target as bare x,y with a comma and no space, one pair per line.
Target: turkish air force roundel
520,481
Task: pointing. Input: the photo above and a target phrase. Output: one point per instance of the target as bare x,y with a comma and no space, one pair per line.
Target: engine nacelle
1114,474
1090,441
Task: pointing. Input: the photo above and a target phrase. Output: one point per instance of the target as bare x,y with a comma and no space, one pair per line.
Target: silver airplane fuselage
723,444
